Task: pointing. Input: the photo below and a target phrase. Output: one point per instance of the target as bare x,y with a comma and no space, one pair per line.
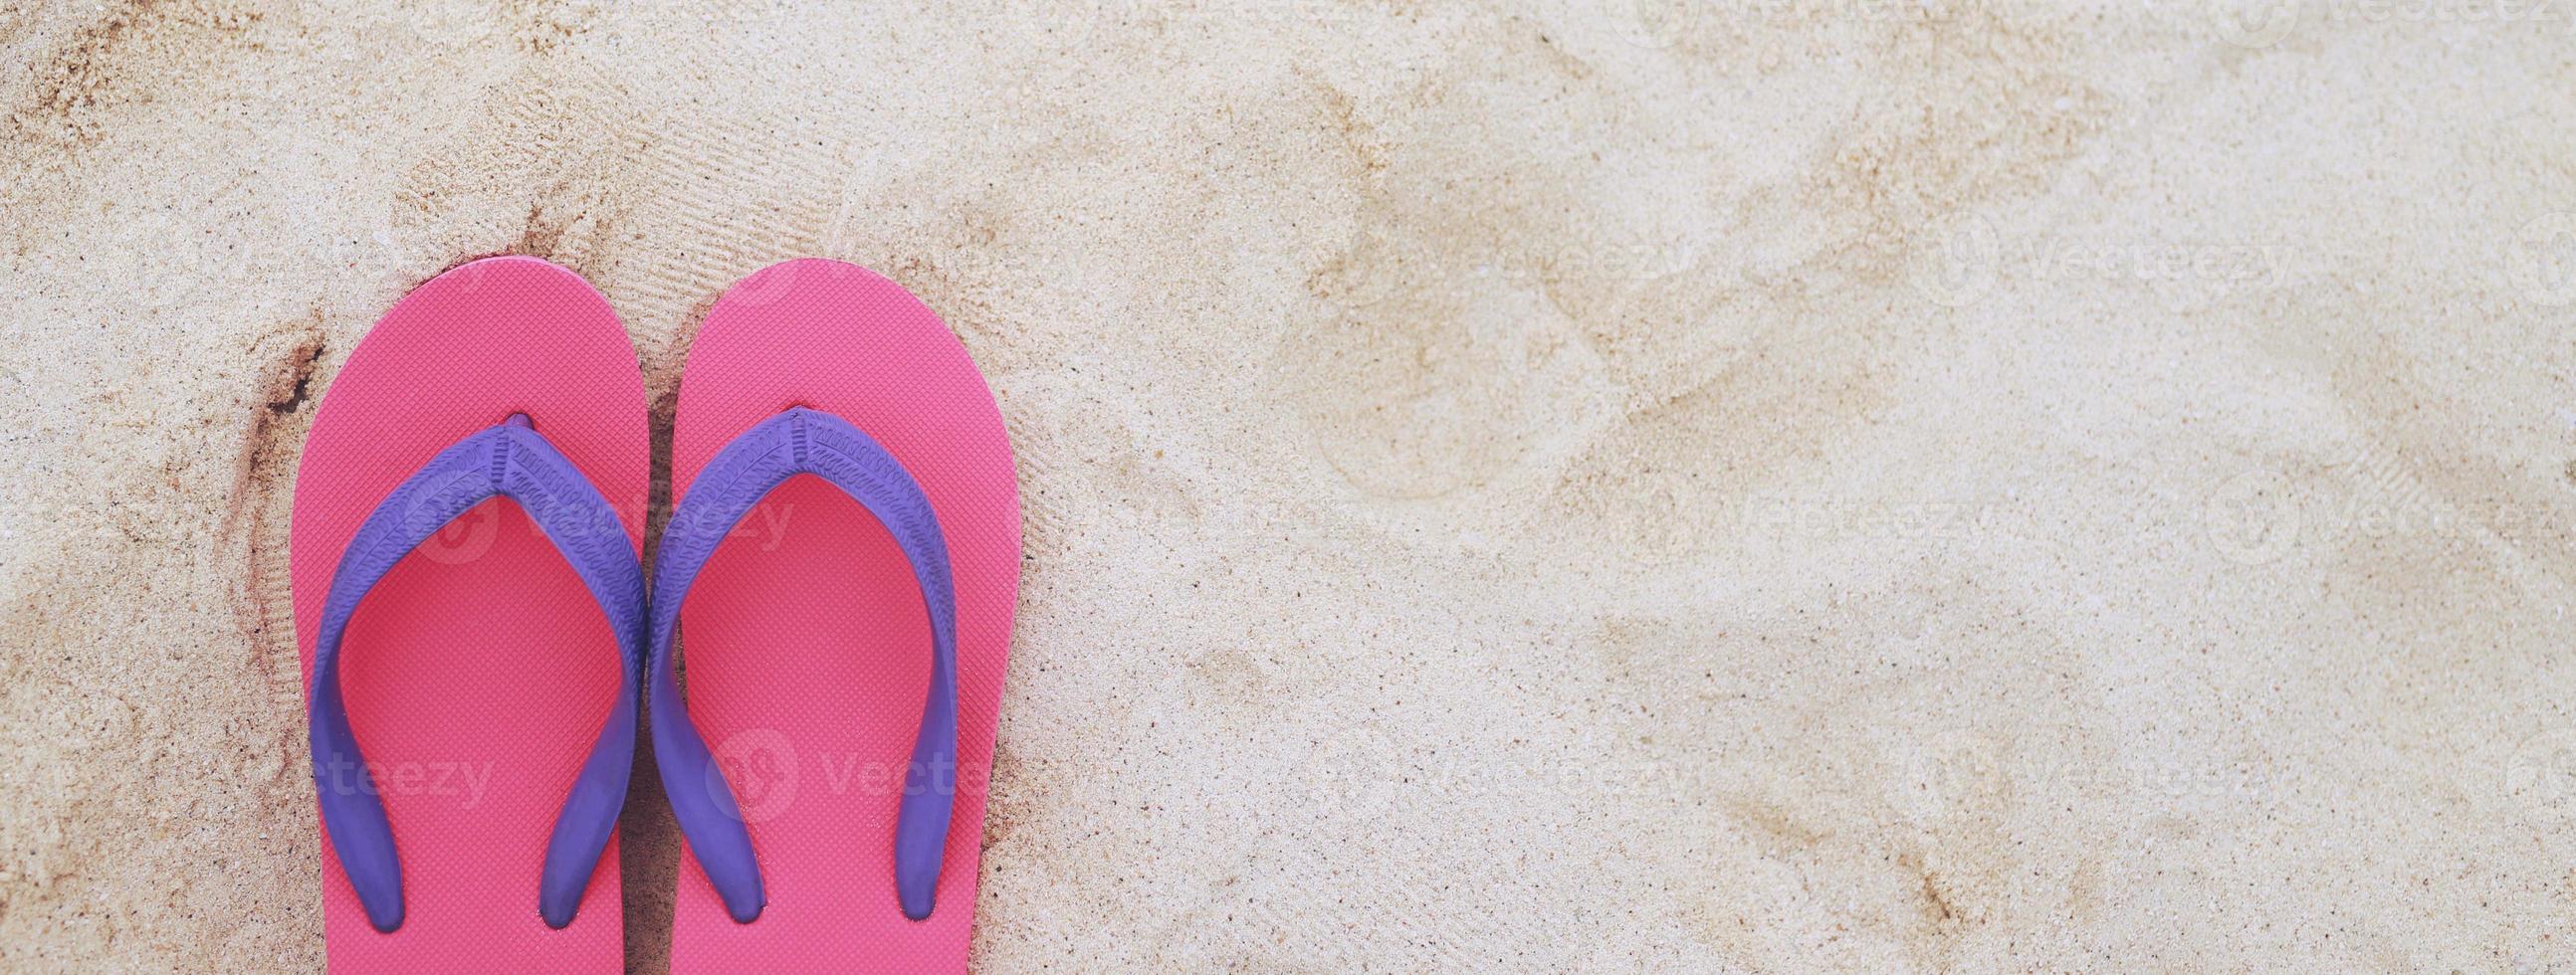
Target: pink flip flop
469,661
844,559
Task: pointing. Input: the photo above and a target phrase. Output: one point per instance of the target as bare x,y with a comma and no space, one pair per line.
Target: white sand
1787,485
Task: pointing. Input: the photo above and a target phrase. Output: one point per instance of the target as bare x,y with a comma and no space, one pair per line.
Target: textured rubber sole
804,643
479,671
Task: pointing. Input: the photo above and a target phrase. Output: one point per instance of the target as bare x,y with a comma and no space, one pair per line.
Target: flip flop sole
478,672
804,641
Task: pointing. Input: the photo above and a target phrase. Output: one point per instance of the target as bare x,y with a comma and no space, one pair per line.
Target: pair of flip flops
470,596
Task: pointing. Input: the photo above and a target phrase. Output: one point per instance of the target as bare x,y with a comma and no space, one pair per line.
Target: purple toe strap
512,461
803,441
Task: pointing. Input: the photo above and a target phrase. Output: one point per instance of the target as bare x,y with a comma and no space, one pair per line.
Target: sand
1770,485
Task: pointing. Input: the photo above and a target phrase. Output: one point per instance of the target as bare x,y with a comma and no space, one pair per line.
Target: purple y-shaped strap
511,461
803,441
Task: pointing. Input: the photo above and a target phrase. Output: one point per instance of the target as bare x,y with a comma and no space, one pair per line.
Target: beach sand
1752,486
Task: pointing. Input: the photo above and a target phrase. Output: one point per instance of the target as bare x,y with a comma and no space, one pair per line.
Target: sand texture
1751,486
